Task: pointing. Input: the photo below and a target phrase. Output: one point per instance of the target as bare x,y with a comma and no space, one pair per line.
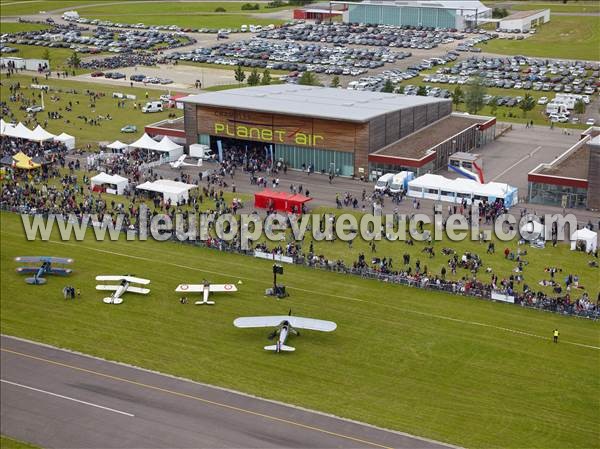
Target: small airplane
284,326
181,162
45,268
206,288
124,286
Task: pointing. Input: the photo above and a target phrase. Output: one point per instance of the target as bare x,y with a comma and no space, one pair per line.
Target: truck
200,151
384,182
400,181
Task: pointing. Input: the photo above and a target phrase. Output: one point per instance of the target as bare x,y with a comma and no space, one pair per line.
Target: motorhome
556,108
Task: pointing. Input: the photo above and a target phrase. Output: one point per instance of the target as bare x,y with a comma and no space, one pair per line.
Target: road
55,398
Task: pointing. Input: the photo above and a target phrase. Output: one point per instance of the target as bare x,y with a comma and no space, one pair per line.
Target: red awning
280,201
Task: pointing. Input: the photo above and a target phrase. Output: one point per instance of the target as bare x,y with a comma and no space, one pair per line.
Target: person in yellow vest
555,334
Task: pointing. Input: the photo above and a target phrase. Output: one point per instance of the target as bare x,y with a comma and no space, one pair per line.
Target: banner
274,257
498,296
220,148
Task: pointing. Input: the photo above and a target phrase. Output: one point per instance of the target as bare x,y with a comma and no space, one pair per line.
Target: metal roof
311,101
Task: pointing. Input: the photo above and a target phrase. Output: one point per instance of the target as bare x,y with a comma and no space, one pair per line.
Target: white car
543,100
590,121
34,108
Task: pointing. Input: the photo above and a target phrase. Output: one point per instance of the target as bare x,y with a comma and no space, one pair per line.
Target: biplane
45,269
284,326
205,288
123,287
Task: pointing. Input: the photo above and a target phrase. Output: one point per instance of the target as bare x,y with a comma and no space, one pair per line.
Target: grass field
14,27
445,367
566,37
9,443
130,8
109,129
577,7
58,56
25,7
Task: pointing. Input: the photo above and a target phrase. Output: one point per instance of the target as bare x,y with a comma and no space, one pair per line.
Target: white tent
4,125
66,139
166,145
589,237
117,146
438,188
115,184
39,134
18,131
175,191
145,143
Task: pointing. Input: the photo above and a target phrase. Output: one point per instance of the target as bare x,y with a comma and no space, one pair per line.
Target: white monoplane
123,286
181,163
284,326
205,288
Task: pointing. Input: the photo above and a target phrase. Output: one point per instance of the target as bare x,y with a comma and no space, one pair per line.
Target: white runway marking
66,397
527,156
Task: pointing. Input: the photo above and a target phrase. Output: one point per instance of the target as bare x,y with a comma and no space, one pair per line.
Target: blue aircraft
44,269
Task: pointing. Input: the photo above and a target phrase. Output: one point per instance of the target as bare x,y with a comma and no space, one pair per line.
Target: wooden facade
360,138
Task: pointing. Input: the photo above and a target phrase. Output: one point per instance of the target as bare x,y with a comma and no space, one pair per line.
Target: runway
56,398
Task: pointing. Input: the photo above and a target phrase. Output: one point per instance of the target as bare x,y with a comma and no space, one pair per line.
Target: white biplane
205,288
284,326
181,163
123,286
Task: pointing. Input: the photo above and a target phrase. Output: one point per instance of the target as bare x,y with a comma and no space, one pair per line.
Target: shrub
220,9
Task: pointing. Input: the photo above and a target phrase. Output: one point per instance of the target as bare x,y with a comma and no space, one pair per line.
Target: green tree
335,81
494,105
74,61
220,9
254,78
266,78
474,94
457,96
309,79
527,104
579,107
239,74
388,87
46,56
422,91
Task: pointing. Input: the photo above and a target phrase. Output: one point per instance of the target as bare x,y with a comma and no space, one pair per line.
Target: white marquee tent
39,134
115,184
589,237
177,192
66,139
117,146
438,188
19,131
166,145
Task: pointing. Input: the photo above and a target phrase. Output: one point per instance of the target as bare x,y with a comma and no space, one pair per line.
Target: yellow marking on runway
196,398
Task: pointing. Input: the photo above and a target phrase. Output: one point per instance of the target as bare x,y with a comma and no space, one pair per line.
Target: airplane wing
34,259
143,291
113,288
312,324
189,288
222,288
27,270
61,271
123,278
295,321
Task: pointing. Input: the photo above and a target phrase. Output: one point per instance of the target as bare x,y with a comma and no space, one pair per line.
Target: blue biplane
46,268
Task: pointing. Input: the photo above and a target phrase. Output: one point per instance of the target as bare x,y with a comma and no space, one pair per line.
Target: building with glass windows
451,14
346,132
573,179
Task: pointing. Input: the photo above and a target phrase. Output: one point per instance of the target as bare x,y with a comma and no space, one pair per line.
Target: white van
400,181
383,183
244,28
200,151
153,106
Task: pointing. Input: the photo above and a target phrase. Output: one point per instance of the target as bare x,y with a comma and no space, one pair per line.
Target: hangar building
571,180
350,133
525,20
458,14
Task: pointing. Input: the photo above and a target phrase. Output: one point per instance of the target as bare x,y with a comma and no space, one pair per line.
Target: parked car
34,109
129,129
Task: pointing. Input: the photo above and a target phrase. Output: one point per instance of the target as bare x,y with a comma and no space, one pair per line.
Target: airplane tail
35,281
282,348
